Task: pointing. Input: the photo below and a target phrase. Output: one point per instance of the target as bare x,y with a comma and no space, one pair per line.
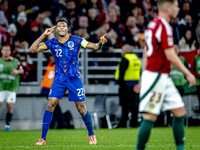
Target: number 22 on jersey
58,52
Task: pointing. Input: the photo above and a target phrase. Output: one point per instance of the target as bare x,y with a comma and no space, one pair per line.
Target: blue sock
46,122
88,123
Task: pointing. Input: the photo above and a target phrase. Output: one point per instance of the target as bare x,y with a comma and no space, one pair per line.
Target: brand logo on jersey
56,45
71,45
1,67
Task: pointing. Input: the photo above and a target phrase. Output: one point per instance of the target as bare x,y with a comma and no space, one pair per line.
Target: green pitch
115,139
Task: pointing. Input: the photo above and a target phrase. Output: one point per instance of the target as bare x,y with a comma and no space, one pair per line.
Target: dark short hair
61,20
163,1
6,45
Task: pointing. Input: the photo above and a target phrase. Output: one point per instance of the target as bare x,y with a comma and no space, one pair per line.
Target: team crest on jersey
71,45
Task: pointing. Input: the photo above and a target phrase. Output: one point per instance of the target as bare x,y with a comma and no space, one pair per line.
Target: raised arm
35,48
176,62
98,46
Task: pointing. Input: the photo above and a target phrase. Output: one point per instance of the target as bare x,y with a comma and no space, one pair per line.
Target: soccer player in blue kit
67,75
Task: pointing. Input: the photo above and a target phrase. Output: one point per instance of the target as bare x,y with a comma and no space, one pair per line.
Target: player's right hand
137,87
191,79
49,31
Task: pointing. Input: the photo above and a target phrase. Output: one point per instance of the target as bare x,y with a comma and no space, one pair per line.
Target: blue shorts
76,92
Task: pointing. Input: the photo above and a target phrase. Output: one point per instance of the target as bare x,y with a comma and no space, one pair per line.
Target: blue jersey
66,57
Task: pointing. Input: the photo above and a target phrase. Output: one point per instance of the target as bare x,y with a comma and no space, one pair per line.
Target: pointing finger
104,35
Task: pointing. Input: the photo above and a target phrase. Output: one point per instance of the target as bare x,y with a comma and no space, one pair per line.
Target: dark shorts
76,92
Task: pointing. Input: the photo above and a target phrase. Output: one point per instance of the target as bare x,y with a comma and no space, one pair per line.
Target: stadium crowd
21,23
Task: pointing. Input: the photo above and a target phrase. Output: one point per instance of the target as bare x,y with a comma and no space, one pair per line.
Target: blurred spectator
132,31
15,48
24,45
131,22
82,6
117,26
22,27
13,31
4,8
47,20
176,30
34,32
82,32
98,33
185,9
106,26
125,8
40,20
140,23
71,12
4,36
3,19
146,5
187,41
152,13
82,23
135,10
185,24
112,5
96,4
33,11
93,23
112,36
20,7
23,62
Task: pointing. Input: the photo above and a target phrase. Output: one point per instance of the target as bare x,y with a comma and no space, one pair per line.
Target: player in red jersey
157,92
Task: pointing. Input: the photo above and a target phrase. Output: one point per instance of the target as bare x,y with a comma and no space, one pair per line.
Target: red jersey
158,37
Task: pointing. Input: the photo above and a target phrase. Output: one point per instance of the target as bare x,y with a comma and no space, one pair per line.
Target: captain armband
84,43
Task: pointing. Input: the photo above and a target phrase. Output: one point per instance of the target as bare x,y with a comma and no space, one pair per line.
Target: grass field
115,139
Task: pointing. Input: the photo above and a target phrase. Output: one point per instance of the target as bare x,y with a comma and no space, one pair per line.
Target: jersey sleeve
81,41
167,37
47,44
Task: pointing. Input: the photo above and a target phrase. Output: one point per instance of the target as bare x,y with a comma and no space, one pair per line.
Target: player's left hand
137,87
14,72
103,40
